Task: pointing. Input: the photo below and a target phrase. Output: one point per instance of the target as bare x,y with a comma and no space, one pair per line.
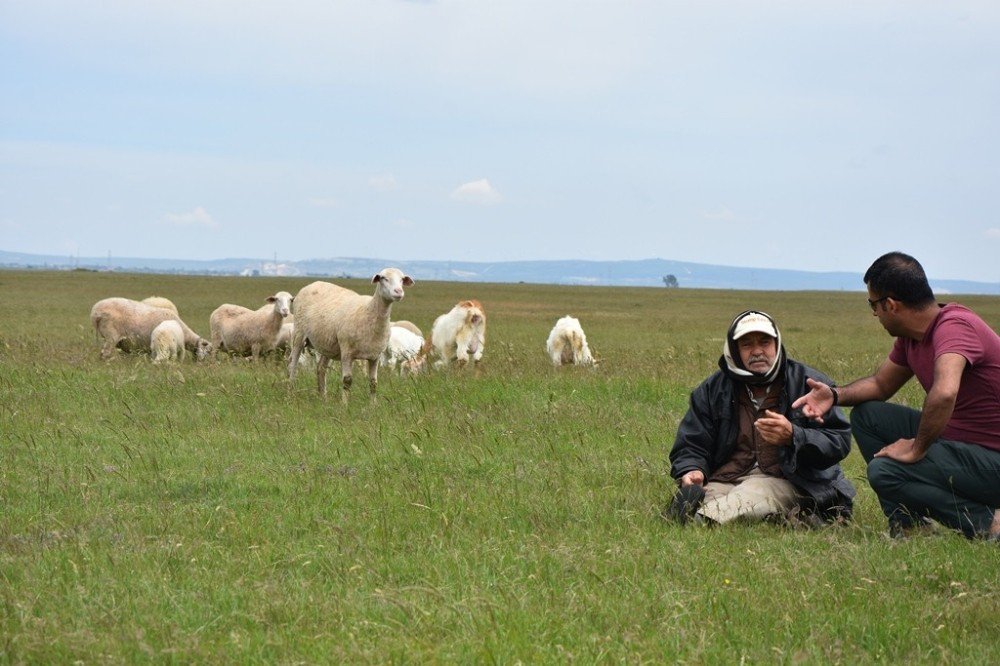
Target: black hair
900,277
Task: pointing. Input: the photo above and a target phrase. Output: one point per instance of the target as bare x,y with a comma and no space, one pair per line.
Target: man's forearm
933,419
859,391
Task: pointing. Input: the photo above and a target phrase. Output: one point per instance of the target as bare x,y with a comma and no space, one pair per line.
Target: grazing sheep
161,302
243,331
567,343
409,326
128,325
341,324
459,334
404,345
166,342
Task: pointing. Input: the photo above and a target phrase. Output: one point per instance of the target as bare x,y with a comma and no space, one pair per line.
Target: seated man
942,461
740,452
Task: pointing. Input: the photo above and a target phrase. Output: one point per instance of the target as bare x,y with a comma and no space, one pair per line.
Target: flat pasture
210,512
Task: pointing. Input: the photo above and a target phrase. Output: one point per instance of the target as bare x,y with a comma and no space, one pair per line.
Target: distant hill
641,273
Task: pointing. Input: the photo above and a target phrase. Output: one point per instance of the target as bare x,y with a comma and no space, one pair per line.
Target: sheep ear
407,281
376,279
271,299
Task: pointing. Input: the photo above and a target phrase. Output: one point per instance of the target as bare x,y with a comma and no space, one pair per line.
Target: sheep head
390,283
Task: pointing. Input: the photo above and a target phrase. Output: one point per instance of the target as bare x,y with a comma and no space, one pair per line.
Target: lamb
166,342
243,331
341,324
404,345
128,325
567,343
459,334
161,302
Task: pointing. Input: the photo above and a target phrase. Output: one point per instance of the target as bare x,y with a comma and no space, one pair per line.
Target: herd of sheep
333,322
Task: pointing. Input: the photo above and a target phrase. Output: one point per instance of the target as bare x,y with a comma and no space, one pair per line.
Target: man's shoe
685,503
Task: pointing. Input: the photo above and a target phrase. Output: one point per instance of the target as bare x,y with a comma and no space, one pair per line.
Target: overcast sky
805,135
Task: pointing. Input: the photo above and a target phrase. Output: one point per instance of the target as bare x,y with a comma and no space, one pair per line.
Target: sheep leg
293,356
372,377
347,377
255,351
321,364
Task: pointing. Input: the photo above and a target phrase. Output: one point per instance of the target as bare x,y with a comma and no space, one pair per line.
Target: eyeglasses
872,303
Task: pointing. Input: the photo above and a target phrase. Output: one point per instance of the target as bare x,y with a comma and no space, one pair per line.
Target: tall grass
210,512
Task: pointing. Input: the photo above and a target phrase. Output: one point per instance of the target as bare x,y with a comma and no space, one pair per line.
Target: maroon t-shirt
958,330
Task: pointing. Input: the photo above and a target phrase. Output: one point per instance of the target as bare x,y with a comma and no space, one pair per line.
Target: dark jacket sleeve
693,446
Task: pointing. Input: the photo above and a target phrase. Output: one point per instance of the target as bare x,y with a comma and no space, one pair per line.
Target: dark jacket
707,434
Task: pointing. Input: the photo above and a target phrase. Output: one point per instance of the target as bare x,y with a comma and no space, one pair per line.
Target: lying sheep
567,343
128,325
459,334
243,331
341,324
161,302
404,345
166,342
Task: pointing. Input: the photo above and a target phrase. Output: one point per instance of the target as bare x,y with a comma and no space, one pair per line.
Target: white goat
243,331
341,324
460,334
161,302
166,342
567,343
128,325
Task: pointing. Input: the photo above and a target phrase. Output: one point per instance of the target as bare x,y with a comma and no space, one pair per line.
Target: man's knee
864,419
885,476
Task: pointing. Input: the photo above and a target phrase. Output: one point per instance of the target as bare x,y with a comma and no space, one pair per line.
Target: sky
802,135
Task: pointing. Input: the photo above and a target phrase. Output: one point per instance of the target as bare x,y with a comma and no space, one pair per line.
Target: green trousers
956,484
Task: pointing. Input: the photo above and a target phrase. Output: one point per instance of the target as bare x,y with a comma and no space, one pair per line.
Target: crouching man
741,452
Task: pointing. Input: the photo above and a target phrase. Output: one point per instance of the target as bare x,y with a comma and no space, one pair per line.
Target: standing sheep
459,334
341,324
166,342
567,343
128,325
161,302
243,331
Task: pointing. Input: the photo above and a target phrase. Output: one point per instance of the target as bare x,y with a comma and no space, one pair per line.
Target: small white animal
460,334
166,343
567,343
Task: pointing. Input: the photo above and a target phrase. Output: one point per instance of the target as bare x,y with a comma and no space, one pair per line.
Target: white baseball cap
754,322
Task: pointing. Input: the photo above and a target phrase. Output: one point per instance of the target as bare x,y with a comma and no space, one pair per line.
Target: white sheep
166,342
459,334
243,331
567,343
409,326
128,325
161,302
341,324
403,346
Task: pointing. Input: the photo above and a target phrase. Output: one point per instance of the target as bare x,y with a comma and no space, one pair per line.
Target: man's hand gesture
817,402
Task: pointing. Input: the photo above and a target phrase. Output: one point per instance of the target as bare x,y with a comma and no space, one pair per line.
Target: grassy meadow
211,513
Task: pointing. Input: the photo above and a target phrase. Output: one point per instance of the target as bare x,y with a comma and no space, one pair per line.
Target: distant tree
670,281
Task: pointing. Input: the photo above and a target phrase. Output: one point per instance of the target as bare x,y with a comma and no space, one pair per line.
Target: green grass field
210,513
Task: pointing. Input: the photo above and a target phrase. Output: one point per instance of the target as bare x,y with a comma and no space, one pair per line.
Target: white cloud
722,213
382,183
199,216
477,192
323,202
992,232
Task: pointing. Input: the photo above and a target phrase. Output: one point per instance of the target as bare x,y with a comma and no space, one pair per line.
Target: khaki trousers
754,496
